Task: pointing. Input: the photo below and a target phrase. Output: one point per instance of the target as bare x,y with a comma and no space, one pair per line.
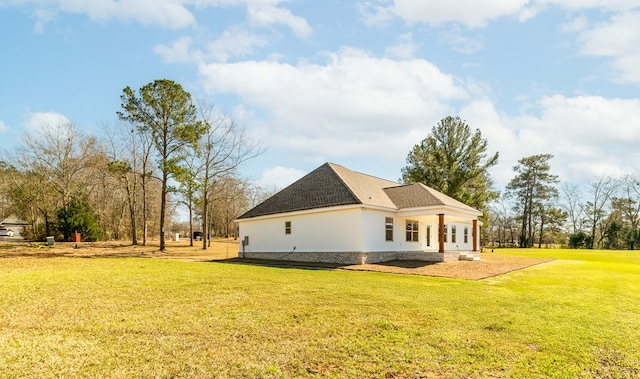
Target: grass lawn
575,317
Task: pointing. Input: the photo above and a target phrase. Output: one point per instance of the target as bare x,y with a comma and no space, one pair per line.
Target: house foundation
355,258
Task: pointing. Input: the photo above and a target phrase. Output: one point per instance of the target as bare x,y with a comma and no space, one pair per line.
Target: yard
87,313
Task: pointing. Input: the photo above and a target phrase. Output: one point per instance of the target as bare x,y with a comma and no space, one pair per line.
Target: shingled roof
333,185
418,195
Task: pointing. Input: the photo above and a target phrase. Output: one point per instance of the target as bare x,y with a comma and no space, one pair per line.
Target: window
466,234
287,227
453,234
428,235
445,232
388,228
412,231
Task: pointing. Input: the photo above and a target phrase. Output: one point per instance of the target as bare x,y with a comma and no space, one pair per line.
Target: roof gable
418,195
13,220
321,188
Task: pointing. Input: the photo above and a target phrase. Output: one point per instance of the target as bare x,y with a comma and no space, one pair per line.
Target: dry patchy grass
216,250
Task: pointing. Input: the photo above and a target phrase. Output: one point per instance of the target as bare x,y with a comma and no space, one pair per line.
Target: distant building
336,215
14,224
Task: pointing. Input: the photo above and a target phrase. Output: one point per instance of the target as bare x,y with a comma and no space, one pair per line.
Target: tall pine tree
453,160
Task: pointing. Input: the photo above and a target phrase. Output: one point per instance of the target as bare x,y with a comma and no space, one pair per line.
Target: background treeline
603,213
61,180
534,208
168,157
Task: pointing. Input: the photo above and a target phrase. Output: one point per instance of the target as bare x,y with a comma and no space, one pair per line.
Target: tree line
165,152
534,209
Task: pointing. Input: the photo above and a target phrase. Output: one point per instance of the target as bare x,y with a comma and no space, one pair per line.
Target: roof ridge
330,165
367,189
363,173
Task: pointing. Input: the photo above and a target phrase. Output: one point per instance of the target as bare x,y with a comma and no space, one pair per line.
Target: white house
336,215
14,224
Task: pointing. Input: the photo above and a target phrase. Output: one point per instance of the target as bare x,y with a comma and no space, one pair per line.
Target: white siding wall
349,230
374,232
459,244
334,231
423,222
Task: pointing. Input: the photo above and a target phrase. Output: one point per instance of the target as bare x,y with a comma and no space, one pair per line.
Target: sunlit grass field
575,317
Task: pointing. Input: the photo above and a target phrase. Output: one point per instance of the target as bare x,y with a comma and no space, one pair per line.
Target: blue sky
357,83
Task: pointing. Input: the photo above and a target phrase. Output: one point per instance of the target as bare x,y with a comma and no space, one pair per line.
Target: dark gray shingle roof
418,195
332,185
321,188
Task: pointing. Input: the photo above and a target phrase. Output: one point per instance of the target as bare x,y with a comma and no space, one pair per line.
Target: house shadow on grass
281,263
487,267
323,265
406,264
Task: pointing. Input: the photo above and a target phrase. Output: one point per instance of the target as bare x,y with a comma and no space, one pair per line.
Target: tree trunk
523,230
205,218
145,216
132,215
190,223
163,206
541,233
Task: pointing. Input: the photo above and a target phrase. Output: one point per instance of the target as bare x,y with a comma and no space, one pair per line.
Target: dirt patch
227,251
218,249
490,265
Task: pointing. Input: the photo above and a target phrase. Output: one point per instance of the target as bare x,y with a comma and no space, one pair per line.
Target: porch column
441,233
474,235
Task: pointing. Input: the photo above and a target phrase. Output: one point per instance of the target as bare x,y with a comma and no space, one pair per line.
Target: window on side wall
428,235
466,234
388,228
412,231
287,227
446,232
453,234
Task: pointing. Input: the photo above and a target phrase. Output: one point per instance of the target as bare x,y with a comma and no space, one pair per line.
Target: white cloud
481,114
471,13
279,177
608,5
3,127
179,51
374,14
266,14
235,42
459,42
41,121
353,105
577,25
618,39
42,17
171,14
404,48
589,136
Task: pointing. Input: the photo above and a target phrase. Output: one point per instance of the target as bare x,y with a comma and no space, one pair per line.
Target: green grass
578,316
